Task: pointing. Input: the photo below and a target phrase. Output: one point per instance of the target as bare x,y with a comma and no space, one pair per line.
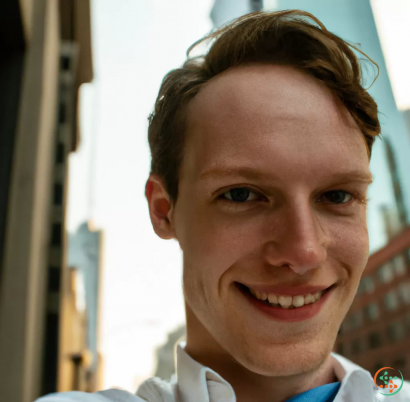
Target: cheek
217,241
350,246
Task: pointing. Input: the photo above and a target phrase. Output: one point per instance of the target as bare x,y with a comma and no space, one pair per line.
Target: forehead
273,118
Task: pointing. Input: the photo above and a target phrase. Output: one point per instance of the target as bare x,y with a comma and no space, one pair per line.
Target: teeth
273,299
298,301
287,301
309,299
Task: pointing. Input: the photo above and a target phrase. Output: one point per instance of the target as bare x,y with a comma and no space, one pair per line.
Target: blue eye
239,194
243,195
338,196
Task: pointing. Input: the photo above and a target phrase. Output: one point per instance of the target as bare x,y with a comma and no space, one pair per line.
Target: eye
240,194
338,196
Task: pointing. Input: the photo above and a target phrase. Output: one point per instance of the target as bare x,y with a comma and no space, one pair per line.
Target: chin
283,359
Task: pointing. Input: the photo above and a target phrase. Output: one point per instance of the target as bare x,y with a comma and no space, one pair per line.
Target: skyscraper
224,11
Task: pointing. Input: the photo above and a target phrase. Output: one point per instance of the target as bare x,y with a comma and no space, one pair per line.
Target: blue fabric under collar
324,393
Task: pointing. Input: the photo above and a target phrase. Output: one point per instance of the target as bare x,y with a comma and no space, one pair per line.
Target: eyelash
355,196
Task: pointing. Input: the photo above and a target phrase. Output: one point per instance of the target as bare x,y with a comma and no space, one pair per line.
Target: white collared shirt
196,383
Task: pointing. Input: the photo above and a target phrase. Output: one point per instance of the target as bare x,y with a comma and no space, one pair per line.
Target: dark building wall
12,48
33,185
22,294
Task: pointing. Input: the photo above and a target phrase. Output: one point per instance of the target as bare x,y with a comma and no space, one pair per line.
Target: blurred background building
165,354
224,11
85,258
45,340
376,331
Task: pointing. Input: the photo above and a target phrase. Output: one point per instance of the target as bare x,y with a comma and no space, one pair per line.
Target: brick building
376,330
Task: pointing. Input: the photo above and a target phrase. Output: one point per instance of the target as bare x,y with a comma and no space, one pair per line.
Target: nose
297,239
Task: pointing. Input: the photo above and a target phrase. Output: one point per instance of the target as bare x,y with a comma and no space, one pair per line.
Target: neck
250,386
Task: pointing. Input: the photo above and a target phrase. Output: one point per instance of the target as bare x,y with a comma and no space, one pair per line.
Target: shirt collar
199,383
356,382
202,384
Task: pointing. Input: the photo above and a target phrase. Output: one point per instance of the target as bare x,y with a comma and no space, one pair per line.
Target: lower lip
291,314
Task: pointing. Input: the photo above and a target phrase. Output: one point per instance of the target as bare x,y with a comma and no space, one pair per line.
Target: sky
135,43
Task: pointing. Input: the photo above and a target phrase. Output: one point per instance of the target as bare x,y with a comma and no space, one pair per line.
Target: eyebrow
253,174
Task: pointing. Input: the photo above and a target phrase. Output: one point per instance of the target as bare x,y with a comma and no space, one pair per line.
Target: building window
361,288
357,319
65,63
345,325
399,264
357,346
391,301
350,322
54,276
375,340
58,194
56,234
368,284
395,331
62,113
404,292
400,364
372,311
60,153
386,273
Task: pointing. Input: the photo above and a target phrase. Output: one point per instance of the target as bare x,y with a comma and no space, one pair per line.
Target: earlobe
159,207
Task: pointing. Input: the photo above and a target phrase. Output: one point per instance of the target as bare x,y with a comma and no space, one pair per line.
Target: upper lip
286,290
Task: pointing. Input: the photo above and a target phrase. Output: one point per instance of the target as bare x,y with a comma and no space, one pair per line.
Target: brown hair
285,38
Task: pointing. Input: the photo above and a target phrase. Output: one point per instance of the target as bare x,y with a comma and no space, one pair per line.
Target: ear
160,208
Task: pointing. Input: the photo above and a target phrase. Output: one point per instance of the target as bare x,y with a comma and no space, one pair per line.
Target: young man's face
272,198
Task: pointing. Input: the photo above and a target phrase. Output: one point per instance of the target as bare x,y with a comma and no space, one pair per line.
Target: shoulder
151,390
110,395
156,389
402,396
405,390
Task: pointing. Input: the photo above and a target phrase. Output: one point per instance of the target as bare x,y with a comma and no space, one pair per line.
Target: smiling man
260,169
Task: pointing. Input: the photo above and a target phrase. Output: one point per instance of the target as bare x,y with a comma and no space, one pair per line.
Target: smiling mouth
282,301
